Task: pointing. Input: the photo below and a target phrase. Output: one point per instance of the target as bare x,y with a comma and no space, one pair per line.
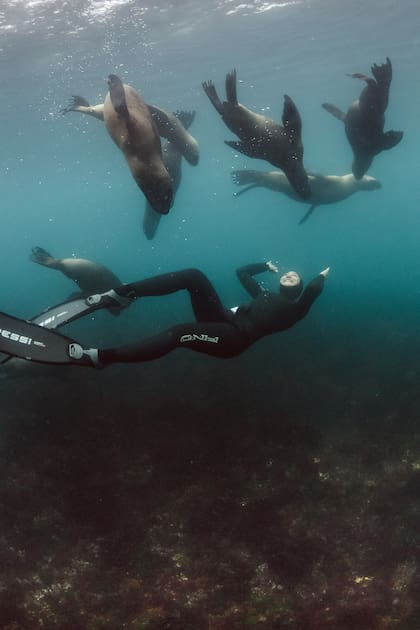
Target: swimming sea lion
263,138
89,276
325,189
130,125
365,119
168,125
172,159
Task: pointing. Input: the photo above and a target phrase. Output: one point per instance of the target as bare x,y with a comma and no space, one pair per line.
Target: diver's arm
312,291
245,276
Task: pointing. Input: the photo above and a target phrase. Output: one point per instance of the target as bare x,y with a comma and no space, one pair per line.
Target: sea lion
365,119
172,159
130,125
325,189
168,125
263,138
89,276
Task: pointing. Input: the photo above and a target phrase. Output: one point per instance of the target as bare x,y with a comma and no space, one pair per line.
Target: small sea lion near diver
90,277
261,137
365,119
326,189
169,126
172,158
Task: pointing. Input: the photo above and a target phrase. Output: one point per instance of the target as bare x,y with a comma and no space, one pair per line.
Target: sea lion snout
159,193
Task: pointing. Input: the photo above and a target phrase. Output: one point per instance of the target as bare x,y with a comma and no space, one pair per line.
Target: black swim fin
25,340
307,214
66,312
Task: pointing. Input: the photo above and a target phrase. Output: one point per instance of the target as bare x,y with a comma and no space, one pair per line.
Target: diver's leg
205,302
216,339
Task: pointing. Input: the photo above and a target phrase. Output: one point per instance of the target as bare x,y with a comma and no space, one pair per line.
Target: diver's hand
325,272
272,267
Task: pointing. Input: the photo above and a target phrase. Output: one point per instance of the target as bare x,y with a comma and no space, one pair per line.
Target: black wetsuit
217,331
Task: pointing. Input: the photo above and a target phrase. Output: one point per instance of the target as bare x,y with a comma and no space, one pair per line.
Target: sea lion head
370,183
156,185
361,164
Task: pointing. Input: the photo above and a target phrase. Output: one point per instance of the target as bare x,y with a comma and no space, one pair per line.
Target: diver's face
290,279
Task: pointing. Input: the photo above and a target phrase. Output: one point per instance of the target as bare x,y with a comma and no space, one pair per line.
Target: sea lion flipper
291,117
307,214
241,147
391,139
161,120
383,72
210,90
117,95
243,190
335,111
231,88
151,220
41,256
74,102
246,176
186,118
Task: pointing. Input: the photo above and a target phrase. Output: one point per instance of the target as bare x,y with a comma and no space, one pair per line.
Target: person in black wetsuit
217,331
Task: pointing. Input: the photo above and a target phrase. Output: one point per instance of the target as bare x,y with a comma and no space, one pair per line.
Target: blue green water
353,362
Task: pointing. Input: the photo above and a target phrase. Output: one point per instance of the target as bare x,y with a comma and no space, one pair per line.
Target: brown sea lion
172,159
130,125
263,138
325,189
89,276
365,119
168,125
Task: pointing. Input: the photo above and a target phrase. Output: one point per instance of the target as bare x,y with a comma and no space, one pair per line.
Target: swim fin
34,343
60,315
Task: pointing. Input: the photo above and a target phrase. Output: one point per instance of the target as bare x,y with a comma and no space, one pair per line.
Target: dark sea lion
172,159
168,125
263,138
325,189
89,276
365,119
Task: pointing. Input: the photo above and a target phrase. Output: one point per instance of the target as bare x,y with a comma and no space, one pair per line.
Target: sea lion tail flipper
241,147
117,94
185,118
307,214
42,257
151,220
335,111
390,139
291,117
210,90
231,88
383,72
74,103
